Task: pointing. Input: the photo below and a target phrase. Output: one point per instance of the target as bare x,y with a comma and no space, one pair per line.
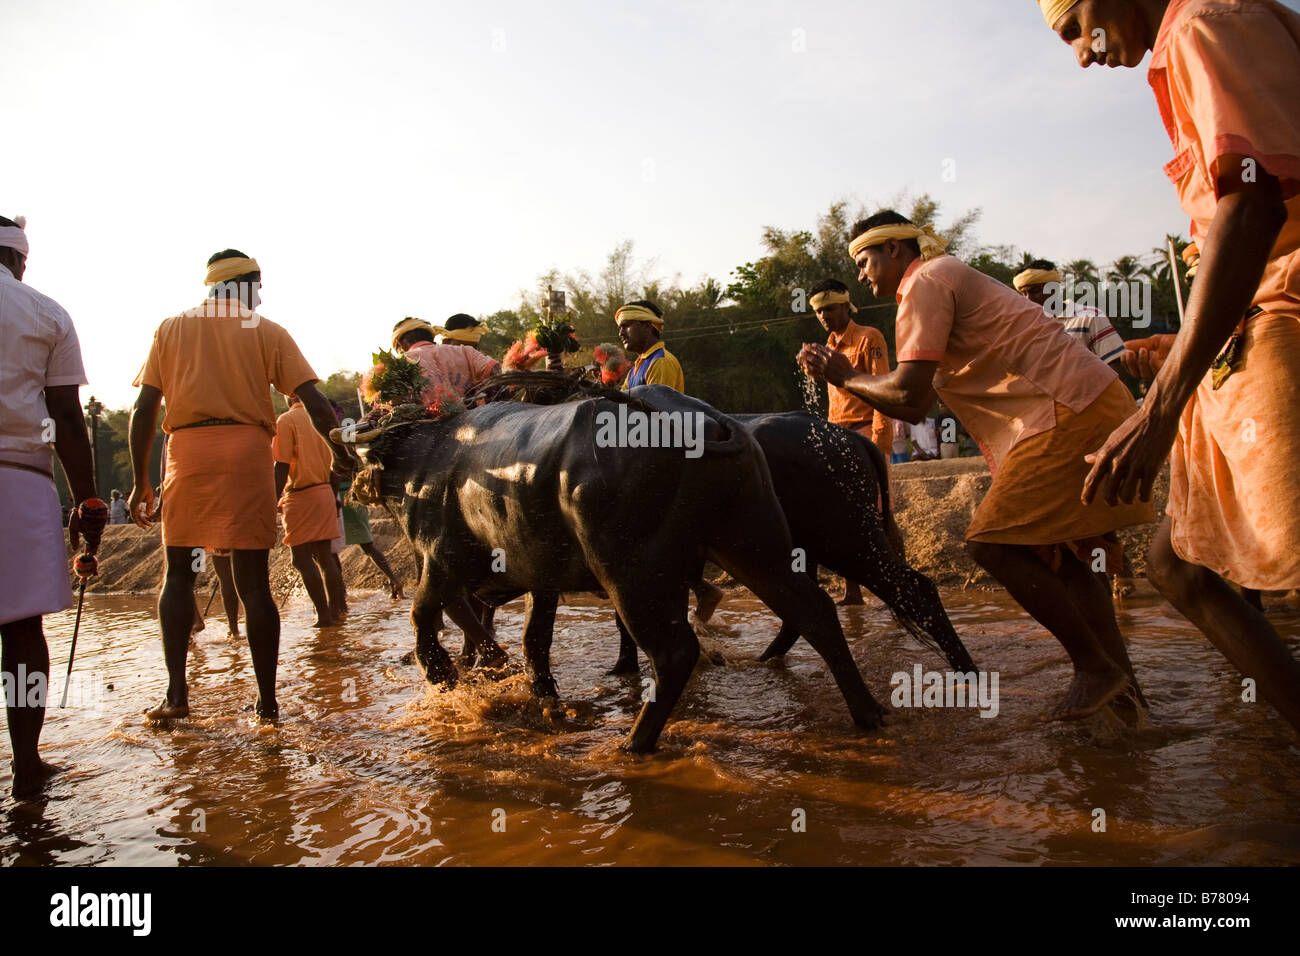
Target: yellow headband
224,270
409,325
637,313
1035,277
931,245
822,299
1053,10
471,334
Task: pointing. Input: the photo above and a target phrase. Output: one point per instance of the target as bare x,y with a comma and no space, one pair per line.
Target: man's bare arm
71,442
144,423
905,393
1246,224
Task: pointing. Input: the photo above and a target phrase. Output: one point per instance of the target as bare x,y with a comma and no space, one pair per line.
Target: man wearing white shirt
926,438
1086,325
40,406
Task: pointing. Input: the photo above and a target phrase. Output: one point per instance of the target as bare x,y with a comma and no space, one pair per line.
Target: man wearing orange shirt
1226,78
865,348
866,351
215,365
1036,403
307,493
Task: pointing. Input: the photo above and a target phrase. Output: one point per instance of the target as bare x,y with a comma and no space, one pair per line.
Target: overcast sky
395,158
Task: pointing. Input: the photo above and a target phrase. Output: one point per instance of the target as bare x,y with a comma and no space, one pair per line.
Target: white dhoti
35,577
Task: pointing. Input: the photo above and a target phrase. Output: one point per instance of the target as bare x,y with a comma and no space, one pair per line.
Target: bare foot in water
851,599
256,708
168,711
1089,692
324,620
707,599
395,589
30,782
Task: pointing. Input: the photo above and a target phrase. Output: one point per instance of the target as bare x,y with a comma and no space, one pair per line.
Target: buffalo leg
788,634
782,643
539,628
426,617
670,644
913,598
626,665
464,612
798,601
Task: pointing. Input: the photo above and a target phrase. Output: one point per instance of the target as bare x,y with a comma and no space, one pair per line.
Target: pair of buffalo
512,498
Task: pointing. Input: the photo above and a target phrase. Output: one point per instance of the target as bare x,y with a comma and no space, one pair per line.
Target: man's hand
822,362
1127,464
140,505
343,466
1142,358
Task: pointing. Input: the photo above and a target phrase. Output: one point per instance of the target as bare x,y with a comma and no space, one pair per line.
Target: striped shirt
1093,330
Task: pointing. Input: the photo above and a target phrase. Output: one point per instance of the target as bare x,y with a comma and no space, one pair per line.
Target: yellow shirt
664,370
299,445
219,361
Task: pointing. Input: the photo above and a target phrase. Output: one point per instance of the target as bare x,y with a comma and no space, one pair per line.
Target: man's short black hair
417,335
7,222
1047,265
227,254
827,285
646,303
885,217
460,321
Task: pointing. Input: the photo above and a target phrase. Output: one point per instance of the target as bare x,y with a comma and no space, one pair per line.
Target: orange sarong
1234,491
310,514
1034,499
219,490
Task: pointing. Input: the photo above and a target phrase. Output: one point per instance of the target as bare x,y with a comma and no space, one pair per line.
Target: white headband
13,237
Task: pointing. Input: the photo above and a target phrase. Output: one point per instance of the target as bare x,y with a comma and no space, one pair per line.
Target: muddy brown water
760,764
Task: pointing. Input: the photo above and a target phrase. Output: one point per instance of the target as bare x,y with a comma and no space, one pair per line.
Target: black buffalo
512,498
833,488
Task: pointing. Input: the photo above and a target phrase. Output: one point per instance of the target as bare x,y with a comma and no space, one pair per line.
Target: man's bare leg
332,569
707,598
199,624
1097,678
176,613
262,622
1239,631
25,652
852,594
229,597
303,555
1092,600
377,556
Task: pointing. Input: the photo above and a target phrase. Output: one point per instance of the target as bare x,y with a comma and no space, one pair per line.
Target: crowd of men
1073,457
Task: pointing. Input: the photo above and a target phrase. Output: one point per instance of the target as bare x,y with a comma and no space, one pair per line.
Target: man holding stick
39,406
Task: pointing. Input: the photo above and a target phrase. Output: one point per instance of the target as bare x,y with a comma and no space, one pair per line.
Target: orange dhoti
219,490
1035,496
310,514
1234,491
